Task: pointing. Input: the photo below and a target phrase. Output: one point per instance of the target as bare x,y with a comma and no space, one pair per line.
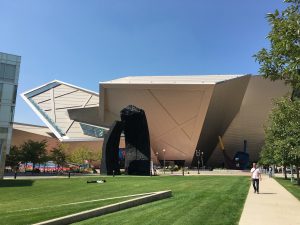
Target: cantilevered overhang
52,101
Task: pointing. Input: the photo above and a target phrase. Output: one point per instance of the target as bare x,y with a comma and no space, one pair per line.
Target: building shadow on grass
16,183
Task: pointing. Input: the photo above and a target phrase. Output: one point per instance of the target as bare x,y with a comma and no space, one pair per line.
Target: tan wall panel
45,105
174,115
189,127
93,101
156,114
88,115
248,123
225,104
62,89
42,97
174,102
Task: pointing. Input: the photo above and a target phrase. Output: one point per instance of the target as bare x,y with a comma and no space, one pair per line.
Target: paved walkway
274,205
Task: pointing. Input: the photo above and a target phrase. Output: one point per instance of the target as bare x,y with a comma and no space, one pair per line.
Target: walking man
255,176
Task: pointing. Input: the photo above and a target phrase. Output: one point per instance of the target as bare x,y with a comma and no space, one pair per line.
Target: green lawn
293,188
196,200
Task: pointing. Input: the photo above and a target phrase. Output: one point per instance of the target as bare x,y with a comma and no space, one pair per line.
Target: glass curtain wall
9,74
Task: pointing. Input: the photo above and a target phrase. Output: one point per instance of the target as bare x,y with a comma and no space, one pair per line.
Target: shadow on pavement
267,193
16,183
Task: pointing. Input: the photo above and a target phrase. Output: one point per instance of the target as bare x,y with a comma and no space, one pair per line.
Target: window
1,89
2,68
14,94
92,130
4,113
10,72
12,113
7,93
3,132
7,72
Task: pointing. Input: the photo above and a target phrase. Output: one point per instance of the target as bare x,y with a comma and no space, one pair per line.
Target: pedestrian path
273,206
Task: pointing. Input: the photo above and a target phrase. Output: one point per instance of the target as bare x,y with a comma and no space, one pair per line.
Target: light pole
198,159
155,172
164,151
202,153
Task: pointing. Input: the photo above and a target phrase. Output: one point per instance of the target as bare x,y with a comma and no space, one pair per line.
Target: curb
107,209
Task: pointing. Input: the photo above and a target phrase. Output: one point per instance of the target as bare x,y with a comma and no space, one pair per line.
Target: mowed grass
196,199
293,188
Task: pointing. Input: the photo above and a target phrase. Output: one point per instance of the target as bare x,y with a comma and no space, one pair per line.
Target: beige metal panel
42,97
93,101
249,122
68,102
88,115
75,98
117,99
63,122
225,104
75,131
63,89
46,106
170,100
171,112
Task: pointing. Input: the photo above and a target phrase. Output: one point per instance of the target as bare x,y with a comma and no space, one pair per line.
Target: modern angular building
9,76
184,113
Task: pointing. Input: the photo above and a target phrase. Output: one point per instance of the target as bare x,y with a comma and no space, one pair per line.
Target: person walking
270,171
255,176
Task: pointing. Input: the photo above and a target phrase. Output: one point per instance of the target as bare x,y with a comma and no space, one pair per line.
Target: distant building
184,113
9,76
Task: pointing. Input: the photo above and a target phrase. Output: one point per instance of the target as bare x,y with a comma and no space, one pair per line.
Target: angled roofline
60,82
238,76
173,80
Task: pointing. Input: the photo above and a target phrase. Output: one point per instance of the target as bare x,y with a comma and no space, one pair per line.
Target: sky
85,42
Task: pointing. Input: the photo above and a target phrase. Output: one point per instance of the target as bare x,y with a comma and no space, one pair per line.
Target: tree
13,159
82,154
58,155
282,142
282,60
34,152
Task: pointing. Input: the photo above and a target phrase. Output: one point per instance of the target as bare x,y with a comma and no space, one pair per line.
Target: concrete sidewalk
274,205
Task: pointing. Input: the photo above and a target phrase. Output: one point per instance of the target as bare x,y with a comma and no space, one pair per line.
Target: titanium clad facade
52,102
249,122
9,76
183,113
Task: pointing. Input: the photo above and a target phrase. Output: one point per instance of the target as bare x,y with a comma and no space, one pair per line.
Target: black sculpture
137,151
137,158
110,156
